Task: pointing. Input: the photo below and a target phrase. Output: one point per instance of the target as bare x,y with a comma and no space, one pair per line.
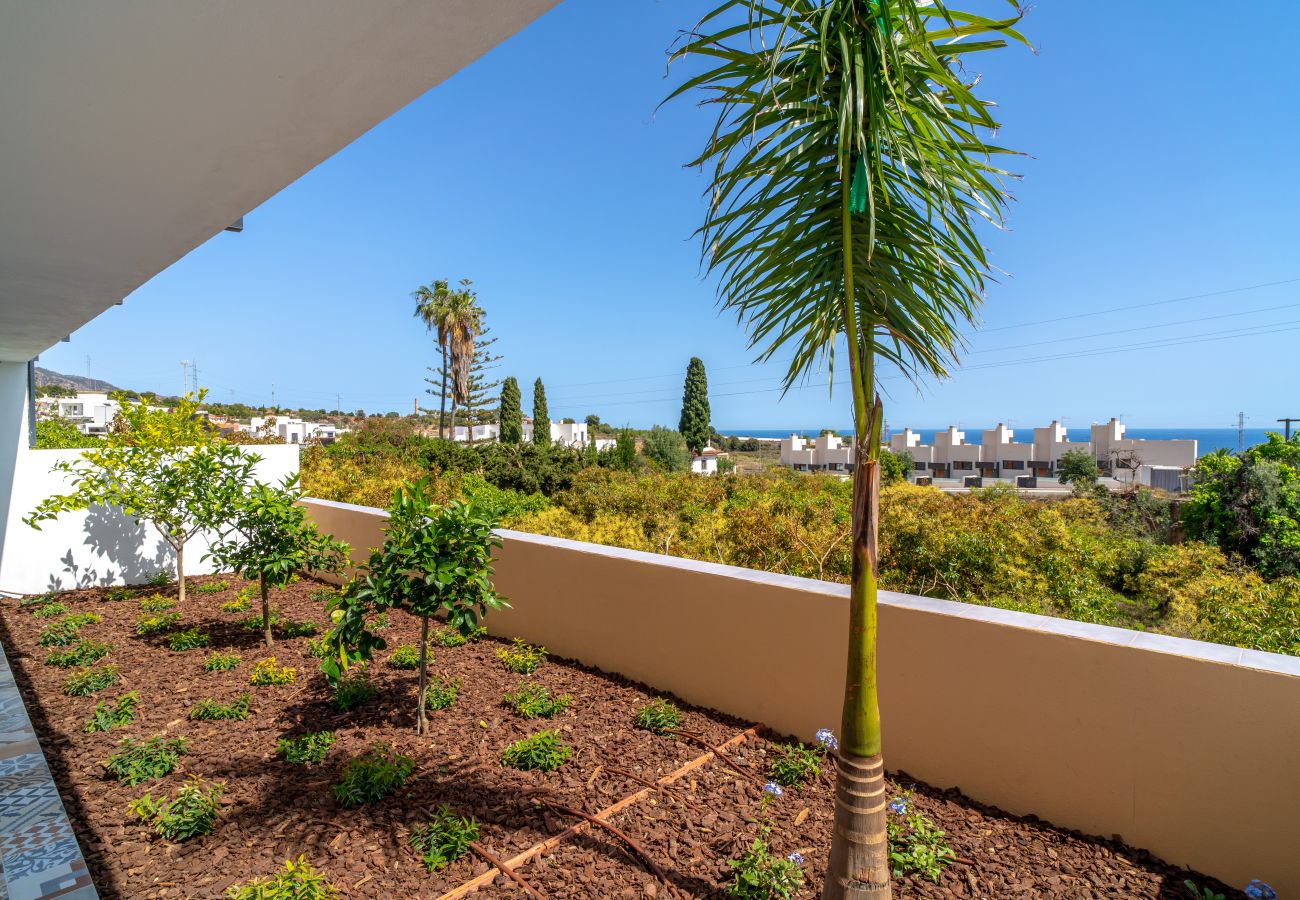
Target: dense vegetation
1110,560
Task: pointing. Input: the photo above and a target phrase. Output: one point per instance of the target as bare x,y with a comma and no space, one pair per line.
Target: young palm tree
431,303
465,322
848,168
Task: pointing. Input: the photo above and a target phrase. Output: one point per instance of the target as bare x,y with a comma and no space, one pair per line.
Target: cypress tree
695,426
541,416
512,426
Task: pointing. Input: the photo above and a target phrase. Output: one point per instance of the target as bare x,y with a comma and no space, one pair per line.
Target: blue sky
1162,166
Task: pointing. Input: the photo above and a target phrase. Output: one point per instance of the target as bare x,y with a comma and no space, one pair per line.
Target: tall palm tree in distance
430,306
449,313
849,165
465,322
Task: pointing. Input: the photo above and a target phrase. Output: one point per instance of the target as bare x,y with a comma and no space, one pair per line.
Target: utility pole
1287,420
87,365
338,405
185,376
194,372
1241,432
273,395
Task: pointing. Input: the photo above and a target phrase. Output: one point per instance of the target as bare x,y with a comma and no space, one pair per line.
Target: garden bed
273,811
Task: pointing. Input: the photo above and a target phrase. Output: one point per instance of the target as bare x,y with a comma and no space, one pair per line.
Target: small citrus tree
268,537
433,560
164,467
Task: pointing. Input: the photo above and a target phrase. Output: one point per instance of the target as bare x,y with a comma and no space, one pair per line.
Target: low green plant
209,710
254,623
211,587
441,692
296,881
90,681
79,620
380,622
238,605
759,875
1201,893
291,629
534,701
522,658
161,578
659,716
444,839
221,662
118,715
35,600
59,634
50,610
793,765
450,637
157,603
159,624
322,595
190,639
135,762
306,749
372,776
916,844
83,653
406,656
118,594
315,647
543,752
352,690
267,671
192,813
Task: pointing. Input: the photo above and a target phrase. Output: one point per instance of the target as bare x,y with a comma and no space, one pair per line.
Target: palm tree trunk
452,434
422,717
442,400
858,866
266,612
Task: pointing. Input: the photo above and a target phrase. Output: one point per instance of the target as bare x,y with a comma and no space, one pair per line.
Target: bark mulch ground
273,811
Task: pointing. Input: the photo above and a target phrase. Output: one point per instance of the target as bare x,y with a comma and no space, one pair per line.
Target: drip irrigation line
640,851
506,870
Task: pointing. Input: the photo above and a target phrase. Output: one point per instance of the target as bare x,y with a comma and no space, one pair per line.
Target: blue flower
826,739
1258,890
898,806
796,858
773,788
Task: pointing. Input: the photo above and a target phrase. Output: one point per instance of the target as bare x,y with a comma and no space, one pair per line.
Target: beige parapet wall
1187,749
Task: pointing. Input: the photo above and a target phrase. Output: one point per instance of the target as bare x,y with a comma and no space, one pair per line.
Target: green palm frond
808,93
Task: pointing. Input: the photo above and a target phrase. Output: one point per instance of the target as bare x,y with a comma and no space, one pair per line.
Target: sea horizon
1207,439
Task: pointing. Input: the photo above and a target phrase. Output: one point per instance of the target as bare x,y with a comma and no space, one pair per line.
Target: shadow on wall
122,544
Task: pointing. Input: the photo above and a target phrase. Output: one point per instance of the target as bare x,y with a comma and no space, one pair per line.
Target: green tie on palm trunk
849,164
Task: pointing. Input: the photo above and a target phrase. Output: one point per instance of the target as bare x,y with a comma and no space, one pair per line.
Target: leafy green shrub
208,710
119,715
794,764
50,610
254,623
78,620
297,881
211,587
35,600
380,622
322,595
267,671
351,691
406,656
160,579
90,681
135,762
443,839
84,653
118,594
160,624
291,629
157,603
761,876
221,662
916,844
238,605
190,639
316,648
534,701
441,692
194,812
659,716
450,637
305,749
60,634
372,776
522,658
543,752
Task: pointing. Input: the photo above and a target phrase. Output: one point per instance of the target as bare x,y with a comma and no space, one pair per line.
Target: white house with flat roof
824,453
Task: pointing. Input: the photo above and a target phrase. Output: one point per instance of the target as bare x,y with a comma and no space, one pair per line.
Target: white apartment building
92,412
566,434
293,431
999,455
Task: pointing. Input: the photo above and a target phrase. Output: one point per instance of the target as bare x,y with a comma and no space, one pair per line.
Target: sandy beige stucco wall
1189,750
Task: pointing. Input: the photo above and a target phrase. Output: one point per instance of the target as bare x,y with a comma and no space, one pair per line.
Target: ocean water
1207,439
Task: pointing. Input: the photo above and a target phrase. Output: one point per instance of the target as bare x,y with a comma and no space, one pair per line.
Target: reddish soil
273,811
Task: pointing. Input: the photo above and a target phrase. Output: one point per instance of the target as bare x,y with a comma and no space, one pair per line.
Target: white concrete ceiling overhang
132,131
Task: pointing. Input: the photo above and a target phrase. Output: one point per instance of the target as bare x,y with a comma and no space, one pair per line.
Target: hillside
46,378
